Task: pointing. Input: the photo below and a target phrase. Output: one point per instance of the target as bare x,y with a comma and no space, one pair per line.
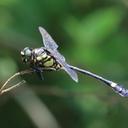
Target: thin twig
3,89
12,87
16,74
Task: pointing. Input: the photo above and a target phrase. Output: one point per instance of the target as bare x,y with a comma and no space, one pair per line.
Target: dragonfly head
26,54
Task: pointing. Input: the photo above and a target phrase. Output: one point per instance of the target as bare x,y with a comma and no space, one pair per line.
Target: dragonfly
49,58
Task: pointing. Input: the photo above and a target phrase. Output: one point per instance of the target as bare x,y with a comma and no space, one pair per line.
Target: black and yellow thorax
43,59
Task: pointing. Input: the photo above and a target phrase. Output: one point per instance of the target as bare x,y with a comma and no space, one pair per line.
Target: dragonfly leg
39,72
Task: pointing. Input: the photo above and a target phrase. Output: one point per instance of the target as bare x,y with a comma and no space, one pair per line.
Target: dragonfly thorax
43,59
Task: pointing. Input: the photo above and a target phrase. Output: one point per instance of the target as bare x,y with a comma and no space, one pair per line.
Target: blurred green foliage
91,35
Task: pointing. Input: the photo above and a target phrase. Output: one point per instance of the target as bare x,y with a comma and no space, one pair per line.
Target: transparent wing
70,72
51,46
58,55
49,43
65,67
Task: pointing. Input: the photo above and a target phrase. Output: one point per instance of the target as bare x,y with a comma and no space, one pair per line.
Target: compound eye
27,51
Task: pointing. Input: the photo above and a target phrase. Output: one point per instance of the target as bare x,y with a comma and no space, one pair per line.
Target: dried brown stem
12,87
3,89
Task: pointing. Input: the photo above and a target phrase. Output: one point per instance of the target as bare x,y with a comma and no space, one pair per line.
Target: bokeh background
92,35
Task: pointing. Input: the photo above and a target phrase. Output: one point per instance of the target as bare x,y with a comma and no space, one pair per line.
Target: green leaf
96,26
